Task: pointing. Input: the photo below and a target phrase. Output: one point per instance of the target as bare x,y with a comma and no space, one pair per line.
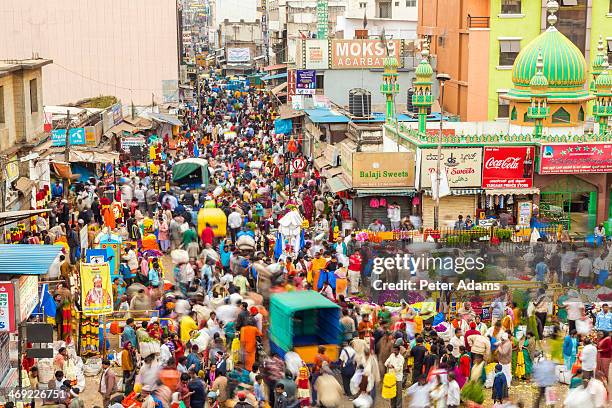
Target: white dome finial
552,7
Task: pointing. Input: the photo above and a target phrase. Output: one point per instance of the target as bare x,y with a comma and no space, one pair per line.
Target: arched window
561,116
527,118
581,115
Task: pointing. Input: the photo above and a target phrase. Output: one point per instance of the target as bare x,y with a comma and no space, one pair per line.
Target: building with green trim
551,92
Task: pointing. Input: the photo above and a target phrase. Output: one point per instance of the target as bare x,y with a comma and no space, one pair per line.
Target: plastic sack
245,243
179,256
45,370
92,366
584,326
148,348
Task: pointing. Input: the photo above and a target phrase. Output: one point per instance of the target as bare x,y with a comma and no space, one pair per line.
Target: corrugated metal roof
22,259
324,115
275,76
163,117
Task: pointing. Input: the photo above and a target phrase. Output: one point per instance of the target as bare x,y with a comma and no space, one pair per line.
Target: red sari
604,355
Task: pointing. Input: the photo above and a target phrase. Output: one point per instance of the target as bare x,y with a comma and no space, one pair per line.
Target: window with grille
508,51
384,10
511,7
503,107
411,3
363,5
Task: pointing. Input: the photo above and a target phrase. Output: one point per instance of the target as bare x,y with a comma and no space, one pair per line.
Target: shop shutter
369,214
450,208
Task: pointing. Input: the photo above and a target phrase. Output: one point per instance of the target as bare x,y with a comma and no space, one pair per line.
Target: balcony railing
478,22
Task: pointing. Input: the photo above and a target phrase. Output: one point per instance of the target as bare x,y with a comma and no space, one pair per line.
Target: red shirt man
208,235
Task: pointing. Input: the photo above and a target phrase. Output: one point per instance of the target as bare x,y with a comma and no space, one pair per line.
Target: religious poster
96,289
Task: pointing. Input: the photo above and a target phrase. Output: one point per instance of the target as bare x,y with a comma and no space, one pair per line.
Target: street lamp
442,78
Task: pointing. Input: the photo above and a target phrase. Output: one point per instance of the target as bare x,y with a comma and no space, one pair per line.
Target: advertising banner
322,18
96,289
463,166
238,54
570,158
76,135
117,111
508,167
352,54
316,55
306,82
7,307
127,142
388,169
27,292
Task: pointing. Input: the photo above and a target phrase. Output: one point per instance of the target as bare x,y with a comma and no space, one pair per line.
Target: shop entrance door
571,202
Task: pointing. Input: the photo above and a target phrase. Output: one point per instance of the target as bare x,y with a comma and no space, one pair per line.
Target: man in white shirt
419,393
584,269
456,342
395,362
588,358
234,221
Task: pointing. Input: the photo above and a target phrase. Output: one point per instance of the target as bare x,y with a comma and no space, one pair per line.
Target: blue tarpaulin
283,126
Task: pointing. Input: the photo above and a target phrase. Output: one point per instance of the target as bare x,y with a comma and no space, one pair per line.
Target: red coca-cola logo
509,163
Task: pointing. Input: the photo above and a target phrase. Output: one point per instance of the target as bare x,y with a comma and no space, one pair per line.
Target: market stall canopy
165,118
24,185
275,67
28,259
188,167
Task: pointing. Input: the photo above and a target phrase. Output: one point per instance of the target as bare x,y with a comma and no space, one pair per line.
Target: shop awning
277,89
19,259
24,185
165,118
337,184
62,170
331,172
275,67
388,191
517,191
321,162
275,76
287,112
88,156
460,191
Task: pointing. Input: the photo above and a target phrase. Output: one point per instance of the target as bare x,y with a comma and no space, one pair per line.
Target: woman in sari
522,364
604,353
570,349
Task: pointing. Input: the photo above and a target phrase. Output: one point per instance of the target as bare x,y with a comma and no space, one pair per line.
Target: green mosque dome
564,64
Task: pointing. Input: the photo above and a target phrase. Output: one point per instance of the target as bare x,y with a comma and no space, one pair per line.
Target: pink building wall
124,48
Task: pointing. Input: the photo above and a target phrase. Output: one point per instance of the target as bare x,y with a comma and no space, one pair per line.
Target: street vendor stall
302,321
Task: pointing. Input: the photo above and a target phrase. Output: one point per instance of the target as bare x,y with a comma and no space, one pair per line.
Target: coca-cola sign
508,167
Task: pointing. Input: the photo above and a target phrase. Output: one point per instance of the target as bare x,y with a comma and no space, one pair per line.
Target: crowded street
247,237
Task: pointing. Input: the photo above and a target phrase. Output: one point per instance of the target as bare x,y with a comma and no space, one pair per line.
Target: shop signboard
127,142
524,212
389,169
573,158
7,307
305,81
77,137
508,167
366,54
322,18
463,166
235,55
27,295
316,55
117,112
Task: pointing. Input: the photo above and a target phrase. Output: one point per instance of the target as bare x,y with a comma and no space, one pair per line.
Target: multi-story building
477,41
21,127
398,18
127,49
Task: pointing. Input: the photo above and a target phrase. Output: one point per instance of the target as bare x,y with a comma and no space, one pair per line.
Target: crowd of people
208,313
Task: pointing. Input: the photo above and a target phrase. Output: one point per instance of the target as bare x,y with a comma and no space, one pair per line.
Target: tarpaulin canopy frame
188,166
